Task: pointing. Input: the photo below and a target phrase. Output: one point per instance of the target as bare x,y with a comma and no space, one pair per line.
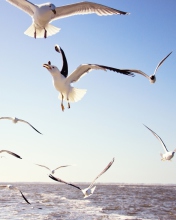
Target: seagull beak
47,66
54,11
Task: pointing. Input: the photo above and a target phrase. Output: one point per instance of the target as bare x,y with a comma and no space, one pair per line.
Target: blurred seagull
168,155
15,120
9,152
14,188
52,171
62,82
42,15
151,78
89,190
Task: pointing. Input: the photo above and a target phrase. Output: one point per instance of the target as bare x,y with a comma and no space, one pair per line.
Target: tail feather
51,30
74,95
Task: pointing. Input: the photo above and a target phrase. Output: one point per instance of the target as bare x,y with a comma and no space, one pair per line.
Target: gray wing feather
9,152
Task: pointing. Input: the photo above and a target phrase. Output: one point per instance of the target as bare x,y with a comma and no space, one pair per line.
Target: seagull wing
29,125
82,8
85,68
24,5
10,118
43,166
61,181
161,63
9,152
106,168
3,186
61,167
64,70
136,71
24,197
164,146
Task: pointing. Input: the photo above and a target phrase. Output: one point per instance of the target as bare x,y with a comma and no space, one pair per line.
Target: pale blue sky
107,122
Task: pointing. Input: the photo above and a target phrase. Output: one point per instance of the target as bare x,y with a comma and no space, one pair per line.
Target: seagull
152,78
52,171
43,14
168,155
14,188
89,190
9,152
15,120
62,81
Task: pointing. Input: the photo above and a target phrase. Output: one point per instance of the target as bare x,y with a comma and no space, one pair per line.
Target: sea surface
110,201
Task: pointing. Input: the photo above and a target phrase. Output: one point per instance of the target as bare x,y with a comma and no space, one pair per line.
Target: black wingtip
57,49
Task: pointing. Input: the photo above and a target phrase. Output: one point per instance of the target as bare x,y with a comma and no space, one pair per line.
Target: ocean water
109,202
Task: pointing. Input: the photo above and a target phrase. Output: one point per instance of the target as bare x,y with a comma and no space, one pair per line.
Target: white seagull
42,15
15,120
168,155
14,188
151,78
62,82
52,171
11,153
89,190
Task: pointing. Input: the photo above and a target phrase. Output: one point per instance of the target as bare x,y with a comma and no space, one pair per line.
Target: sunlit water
112,202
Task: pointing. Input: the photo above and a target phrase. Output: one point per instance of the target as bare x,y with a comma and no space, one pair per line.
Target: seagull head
152,79
88,191
52,69
52,7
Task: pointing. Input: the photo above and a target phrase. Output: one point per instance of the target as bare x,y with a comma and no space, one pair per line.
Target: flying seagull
151,78
52,171
15,120
14,188
89,190
9,152
168,155
42,15
62,81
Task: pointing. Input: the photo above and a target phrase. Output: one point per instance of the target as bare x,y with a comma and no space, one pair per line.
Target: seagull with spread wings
168,155
52,171
62,82
89,190
15,120
42,15
16,189
151,78
11,153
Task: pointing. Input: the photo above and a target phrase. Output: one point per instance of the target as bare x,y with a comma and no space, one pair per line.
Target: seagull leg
35,34
62,106
68,103
45,34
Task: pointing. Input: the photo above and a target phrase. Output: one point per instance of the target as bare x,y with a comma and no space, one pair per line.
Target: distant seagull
88,191
14,188
168,154
15,120
42,15
9,152
52,171
62,82
151,78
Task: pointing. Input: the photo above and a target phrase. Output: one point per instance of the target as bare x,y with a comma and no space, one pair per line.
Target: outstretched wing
9,152
136,71
29,125
85,8
62,181
61,167
64,70
43,166
24,5
10,118
24,197
161,62
85,68
164,146
106,168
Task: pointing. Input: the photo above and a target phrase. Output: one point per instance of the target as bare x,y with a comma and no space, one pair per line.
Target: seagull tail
162,158
90,193
74,94
51,30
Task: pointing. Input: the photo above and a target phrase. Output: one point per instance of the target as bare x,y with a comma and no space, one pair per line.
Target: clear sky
108,121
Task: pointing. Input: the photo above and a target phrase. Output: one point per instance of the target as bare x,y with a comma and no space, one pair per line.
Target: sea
109,202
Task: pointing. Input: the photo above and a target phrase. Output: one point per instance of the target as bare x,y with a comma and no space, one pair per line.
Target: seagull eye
53,67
